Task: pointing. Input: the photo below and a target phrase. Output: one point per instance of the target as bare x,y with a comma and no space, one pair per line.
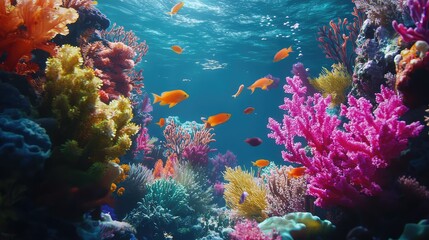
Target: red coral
31,25
113,64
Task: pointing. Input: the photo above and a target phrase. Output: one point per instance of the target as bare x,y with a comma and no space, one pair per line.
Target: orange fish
171,97
176,8
262,83
216,119
249,110
161,122
282,54
240,88
177,49
261,163
297,172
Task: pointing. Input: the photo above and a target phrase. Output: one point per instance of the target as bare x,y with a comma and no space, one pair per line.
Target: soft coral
29,25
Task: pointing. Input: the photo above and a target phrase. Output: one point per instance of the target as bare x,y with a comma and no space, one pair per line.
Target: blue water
226,43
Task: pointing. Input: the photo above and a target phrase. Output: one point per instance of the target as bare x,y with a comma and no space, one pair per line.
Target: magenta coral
249,230
343,161
419,11
143,142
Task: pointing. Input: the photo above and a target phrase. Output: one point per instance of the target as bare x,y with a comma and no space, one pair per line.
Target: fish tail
206,124
251,89
170,13
290,49
157,98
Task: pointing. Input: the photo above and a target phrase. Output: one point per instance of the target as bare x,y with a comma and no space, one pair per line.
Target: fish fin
290,49
172,105
251,89
163,103
207,124
264,87
253,163
157,98
234,96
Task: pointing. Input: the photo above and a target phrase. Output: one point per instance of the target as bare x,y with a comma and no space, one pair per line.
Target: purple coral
419,11
344,160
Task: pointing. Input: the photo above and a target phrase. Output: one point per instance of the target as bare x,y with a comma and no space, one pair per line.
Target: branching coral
285,194
345,162
419,10
380,12
29,25
334,83
248,229
240,181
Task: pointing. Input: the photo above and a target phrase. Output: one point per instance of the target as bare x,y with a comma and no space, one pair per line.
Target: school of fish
173,97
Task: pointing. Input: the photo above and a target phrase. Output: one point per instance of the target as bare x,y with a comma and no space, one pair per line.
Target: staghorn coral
29,25
285,194
346,160
240,181
334,83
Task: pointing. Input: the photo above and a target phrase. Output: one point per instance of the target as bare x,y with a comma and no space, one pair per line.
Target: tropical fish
238,91
282,54
161,122
261,163
176,8
297,172
171,97
216,119
243,197
262,83
253,141
177,49
249,110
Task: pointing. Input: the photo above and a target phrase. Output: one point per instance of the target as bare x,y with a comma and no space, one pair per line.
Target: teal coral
297,224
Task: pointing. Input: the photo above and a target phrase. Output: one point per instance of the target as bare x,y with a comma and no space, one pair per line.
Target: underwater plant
345,160
333,83
239,181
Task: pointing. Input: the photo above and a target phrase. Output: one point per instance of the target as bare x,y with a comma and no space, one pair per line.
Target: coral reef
284,194
240,181
333,83
29,25
345,162
248,229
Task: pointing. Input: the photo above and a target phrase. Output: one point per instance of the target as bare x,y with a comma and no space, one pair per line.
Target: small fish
161,122
177,49
176,8
297,172
249,110
261,163
171,97
216,119
282,54
238,91
262,83
253,141
243,197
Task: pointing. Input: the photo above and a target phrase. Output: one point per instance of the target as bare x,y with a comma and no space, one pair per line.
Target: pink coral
344,161
249,230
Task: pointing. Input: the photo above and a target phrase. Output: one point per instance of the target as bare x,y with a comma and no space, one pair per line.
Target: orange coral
158,169
169,166
29,25
120,191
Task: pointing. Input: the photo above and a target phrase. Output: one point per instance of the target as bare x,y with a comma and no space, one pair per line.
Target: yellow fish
262,83
177,49
171,97
261,163
216,119
282,54
176,8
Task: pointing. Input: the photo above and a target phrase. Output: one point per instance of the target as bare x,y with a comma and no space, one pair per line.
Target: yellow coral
103,130
334,83
241,181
